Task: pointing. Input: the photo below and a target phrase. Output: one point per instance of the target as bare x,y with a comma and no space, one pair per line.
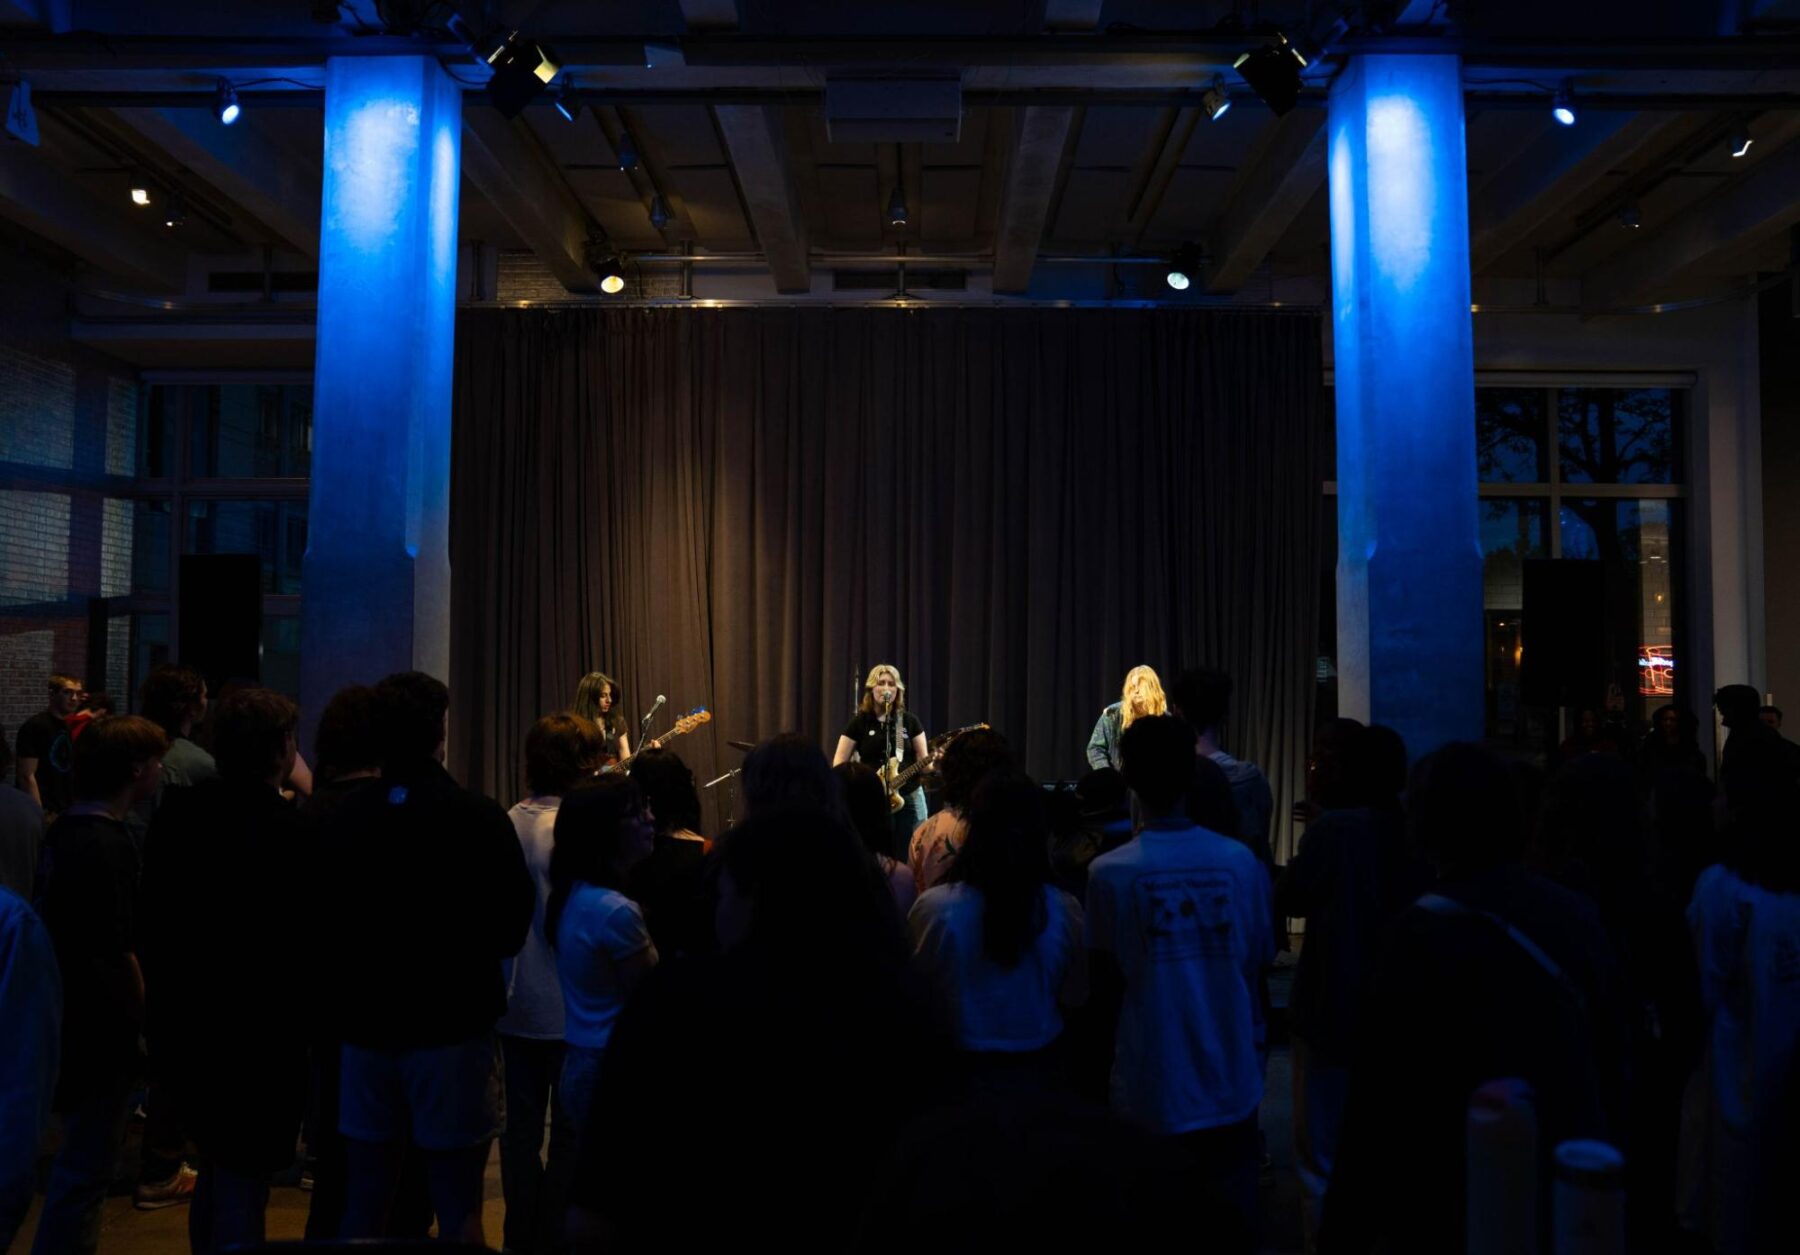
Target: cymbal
746,746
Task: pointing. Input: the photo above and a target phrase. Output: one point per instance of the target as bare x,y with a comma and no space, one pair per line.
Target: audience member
1027,1172
1590,735
1330,774
1202,697
31,1009
561,750
808,1032
1086,822
432,891
1757,760
789,771
1672,748
347,747
1770,715
603,949
1354,872
670,885
224,907
94,706
21,832
1495,973
88,897
1743,1145
44,748
967,761
1592,838
1003,945
866,803
1178,922
174,699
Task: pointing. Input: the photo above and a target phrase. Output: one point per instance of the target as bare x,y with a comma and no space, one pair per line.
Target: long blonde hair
1142,689
867,705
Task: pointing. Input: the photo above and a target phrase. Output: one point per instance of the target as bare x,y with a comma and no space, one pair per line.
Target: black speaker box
1564,662
221,616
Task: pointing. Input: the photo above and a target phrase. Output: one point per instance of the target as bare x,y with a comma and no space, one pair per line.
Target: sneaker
156,1195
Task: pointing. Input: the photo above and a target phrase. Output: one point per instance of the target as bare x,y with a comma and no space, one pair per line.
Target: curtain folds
747,509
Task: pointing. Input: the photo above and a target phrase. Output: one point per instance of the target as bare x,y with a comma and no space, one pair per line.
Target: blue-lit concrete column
376,590
1409,560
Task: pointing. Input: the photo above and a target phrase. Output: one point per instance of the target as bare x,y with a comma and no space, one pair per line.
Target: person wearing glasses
43,748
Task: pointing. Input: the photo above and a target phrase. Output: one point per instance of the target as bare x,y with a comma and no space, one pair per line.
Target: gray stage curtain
746,509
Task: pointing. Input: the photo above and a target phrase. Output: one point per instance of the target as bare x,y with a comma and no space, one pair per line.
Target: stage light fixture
896,207
1630,216
175,213
1273,73
522,69
225,103
627,151
612,275
1184,268
140,195
660,217
1214,100
568,101
1741,141
1562,108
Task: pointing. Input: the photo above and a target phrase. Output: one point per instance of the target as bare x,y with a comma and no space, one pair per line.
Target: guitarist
597,698
887,736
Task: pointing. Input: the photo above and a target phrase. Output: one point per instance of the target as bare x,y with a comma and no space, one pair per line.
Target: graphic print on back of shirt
1185,914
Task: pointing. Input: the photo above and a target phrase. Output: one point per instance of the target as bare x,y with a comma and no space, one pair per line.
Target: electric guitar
897,777
684,725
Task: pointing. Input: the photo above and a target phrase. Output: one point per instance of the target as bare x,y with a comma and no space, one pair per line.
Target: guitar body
897,777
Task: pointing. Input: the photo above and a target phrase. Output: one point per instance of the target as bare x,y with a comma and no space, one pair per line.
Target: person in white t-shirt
603,948
560,751
1179,927
1742,1145
1003,945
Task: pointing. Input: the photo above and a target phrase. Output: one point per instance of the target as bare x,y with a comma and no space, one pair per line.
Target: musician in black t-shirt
885,730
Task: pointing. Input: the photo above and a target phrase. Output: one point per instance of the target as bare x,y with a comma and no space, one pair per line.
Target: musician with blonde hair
885,734
1142,697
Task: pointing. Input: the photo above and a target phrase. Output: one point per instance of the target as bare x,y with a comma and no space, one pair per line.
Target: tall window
222,468
1588,472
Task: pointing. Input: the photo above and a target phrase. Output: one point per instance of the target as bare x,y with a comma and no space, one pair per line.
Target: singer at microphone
888,737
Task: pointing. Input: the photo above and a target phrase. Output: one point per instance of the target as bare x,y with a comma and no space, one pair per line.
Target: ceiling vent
893,110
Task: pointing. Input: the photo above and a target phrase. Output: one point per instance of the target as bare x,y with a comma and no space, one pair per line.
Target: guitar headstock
688,722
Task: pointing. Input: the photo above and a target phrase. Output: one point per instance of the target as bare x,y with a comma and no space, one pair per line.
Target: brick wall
68,419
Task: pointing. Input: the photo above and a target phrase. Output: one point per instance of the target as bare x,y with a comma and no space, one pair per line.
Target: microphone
661,701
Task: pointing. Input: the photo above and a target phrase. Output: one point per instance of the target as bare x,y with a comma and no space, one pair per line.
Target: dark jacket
1352,875
1454,1002
430,892
226,998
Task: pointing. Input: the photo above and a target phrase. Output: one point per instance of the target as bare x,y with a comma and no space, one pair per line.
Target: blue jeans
229,1208
534,1192
580,1075
910,815
92,1132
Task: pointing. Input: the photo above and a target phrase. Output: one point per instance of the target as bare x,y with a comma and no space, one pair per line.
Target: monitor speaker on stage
221,617
1564,612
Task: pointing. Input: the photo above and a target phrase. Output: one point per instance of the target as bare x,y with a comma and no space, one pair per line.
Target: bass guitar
897,777
684,725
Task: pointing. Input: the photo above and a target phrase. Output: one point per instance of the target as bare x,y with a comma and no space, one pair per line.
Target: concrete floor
132,1232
